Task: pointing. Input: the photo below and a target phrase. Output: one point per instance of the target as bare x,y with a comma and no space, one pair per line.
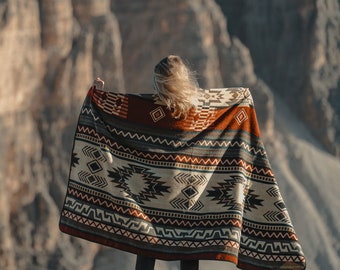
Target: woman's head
176,85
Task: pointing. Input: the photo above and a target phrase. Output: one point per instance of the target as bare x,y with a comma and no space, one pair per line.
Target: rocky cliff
287,52
295,49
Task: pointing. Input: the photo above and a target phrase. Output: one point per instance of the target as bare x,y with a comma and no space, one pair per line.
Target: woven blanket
195,188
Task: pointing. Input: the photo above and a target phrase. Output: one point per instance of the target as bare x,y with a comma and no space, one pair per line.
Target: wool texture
174,189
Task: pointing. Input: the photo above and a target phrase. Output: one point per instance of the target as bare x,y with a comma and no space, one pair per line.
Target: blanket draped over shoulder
195,188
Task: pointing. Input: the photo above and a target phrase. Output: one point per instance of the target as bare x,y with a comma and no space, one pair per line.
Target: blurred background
286,52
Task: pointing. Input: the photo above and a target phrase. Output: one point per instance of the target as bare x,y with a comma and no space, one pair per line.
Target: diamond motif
190,192
280,205
97,154
241,116
94,166
157,114
193,185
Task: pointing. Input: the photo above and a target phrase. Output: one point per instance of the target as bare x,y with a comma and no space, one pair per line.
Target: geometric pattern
184,203
157,114
224,192
90,173
92,179
194,188
212,98
138,182
74,160
222,97
203,119
252,200
94,153
241,116
273,191
94,166
276,216
115,104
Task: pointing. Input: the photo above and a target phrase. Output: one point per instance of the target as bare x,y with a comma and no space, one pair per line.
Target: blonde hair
176,85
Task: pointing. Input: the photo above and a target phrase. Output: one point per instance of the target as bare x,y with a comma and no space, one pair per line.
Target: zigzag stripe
184,166
88,111
109,205
219,162
177,158
150,239
154,218
272,258
267,226
107,141
176,144
202,143
271,235
85,110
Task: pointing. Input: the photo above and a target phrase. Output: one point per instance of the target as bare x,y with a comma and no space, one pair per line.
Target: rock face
287,52
295,49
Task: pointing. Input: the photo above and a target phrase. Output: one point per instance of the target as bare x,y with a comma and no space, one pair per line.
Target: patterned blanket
199,188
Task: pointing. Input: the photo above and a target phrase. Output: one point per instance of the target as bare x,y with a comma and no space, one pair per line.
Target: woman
176,86
178,89
135,170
